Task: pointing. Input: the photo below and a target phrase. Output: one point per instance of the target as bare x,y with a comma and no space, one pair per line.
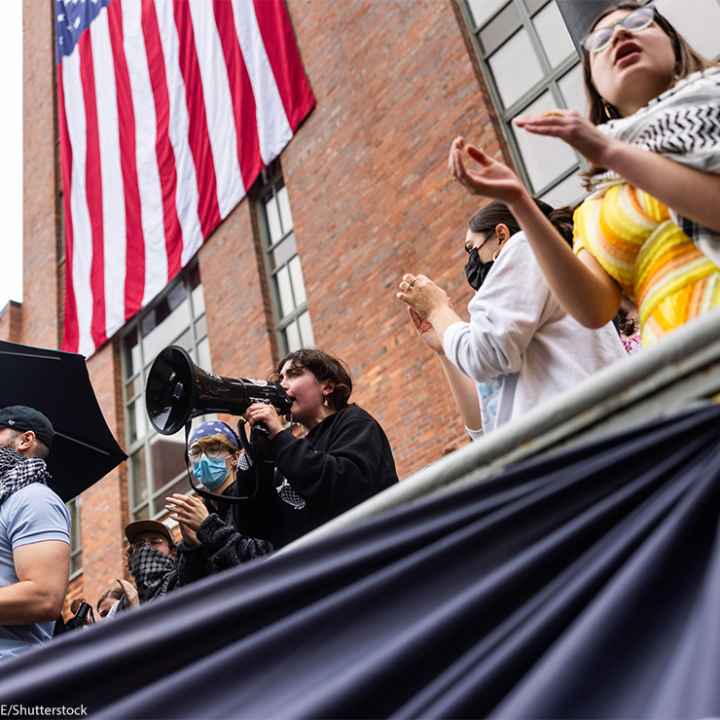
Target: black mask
476,270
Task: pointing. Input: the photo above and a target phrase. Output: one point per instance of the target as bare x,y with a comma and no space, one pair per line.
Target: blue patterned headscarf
214,427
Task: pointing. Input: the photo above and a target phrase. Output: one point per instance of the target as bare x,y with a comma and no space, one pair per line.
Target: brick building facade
370,199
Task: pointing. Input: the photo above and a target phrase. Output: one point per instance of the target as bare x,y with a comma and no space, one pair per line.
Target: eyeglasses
212,450
637,20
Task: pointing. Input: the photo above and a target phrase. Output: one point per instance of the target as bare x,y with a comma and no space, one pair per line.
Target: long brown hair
687,61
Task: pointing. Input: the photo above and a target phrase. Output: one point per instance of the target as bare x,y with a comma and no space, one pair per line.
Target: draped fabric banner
582,584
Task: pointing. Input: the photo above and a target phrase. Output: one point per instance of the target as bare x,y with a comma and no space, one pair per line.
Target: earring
325,401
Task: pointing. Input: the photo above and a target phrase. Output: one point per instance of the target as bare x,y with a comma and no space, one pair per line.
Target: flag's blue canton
72,17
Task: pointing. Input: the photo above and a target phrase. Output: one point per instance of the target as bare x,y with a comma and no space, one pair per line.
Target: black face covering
476,270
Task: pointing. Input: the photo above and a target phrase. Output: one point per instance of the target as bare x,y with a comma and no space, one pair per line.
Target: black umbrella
57,384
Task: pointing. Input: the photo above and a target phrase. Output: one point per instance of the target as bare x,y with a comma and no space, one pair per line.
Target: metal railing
679,371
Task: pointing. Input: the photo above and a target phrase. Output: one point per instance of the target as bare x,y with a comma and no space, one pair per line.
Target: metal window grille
156,467
291,318
75,538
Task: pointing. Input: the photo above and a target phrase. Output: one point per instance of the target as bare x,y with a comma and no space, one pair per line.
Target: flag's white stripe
151,204
187,193
82,235
218,106
273,126
113,194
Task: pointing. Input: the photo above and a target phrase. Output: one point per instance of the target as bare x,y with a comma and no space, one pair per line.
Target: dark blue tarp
586,584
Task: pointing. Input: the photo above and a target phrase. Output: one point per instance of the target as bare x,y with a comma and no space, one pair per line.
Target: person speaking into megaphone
343,458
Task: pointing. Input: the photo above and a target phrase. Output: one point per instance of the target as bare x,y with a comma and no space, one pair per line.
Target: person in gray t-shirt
34,533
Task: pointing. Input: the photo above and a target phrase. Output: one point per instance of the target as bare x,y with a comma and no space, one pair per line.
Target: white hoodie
520,346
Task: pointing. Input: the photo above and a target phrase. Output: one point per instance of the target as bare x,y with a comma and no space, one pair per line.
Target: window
531,65
282,263
75,543
699,27
157,462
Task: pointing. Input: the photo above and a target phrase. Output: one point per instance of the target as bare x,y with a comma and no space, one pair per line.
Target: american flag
168,110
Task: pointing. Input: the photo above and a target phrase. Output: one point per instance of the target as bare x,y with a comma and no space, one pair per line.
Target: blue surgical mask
210,472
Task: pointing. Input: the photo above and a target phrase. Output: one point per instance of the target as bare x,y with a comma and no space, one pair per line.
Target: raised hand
422,295
188,510
571,127
487,177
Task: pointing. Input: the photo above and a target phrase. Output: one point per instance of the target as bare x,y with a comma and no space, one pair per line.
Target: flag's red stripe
93,182
243,99
135,243
164,153
284,55
199,137
71,336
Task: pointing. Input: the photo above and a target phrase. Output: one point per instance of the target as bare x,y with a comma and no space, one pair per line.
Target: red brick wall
40,180
371,199
11,321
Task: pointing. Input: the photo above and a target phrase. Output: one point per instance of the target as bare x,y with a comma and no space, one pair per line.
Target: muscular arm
42,569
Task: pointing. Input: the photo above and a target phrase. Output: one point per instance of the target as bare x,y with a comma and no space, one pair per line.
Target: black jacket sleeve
192,562
350,470
226,547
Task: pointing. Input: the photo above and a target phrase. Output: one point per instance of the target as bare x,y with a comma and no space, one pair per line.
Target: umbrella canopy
57,384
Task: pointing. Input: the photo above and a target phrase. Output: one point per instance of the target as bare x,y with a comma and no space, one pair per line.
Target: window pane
131,350
74,511
554,35
286,300
573,90
516,68
198,301
569,192
75,563
141,513
139,478
284,251
306,332
168,458
136,419
545,158
166,332
204,355
293,337
182,486
285,214
483,10
134,387
186,341
699,25
298,284
201,329
273,220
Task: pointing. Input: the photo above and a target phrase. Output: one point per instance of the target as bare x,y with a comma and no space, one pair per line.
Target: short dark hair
324,367
687,60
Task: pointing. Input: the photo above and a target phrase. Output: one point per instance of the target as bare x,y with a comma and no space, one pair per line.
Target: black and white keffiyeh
16,472
155,574
682,124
